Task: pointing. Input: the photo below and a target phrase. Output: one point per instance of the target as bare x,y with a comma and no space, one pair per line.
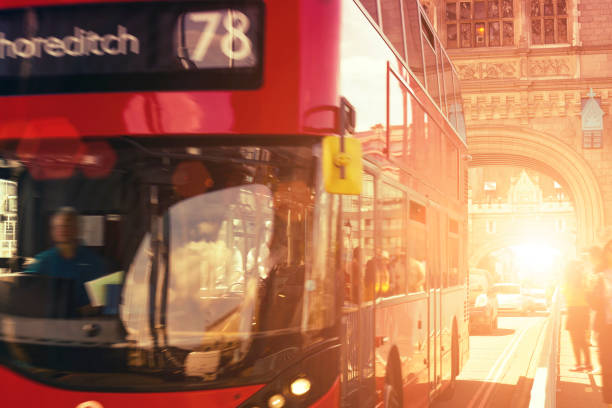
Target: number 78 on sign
209,32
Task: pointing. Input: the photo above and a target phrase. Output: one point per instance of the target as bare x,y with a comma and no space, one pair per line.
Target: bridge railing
544,388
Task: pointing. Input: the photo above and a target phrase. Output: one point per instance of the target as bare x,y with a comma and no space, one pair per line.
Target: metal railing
544,388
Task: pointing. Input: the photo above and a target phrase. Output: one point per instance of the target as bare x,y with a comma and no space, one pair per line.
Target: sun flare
536,262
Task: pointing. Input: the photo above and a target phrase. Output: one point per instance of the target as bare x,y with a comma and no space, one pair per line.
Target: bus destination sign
130,47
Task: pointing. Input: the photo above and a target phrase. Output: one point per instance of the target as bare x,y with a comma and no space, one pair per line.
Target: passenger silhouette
601,301
578,314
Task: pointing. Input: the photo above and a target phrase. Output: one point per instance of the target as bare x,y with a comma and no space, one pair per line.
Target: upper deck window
427,32
424,56
479,23
391,13
372,7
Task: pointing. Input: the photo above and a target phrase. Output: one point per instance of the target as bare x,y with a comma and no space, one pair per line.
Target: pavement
577,389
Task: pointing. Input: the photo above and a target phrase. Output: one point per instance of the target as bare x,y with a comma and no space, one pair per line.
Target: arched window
548,21
479,23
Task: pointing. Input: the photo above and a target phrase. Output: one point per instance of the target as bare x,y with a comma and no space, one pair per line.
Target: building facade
536,81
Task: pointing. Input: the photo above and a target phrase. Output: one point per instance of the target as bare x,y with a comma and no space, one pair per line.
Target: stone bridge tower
527,68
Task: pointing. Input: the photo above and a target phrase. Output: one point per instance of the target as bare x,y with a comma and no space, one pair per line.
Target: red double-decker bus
188,219
405,330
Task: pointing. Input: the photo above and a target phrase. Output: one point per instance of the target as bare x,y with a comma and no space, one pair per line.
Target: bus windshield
192,263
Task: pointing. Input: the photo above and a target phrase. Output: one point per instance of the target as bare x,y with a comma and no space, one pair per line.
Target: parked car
510,298
536,299
483,303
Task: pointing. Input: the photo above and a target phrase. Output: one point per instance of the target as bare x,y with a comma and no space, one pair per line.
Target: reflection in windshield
216,246
209,280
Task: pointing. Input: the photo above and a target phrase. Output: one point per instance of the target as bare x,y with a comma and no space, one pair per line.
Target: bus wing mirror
348,118
334,160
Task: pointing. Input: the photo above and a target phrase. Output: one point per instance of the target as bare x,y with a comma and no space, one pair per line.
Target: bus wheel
392,397
450,390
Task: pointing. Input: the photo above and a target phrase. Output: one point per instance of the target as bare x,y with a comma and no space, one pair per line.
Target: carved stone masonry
549,67
534,67
488,70
480,107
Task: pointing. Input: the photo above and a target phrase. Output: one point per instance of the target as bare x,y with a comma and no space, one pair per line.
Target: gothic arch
517,146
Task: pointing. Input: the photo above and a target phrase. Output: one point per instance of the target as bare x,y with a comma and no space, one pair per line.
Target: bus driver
69,259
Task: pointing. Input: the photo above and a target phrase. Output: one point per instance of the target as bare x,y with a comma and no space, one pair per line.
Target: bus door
358,374
435,298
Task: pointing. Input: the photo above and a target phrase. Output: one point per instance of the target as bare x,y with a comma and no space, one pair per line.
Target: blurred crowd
587,289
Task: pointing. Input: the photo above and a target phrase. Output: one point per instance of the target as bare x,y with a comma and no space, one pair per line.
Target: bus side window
372,8
400,144
417,241
453,253
430,46
434,270
367,238
352,250
413,38
392,212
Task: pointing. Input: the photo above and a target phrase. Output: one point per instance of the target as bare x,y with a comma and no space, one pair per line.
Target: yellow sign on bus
334,160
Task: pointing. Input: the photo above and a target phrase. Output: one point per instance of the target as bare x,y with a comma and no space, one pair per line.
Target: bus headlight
276,401
300,386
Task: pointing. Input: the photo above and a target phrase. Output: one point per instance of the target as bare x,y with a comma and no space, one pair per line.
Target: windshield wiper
164,256
153,272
